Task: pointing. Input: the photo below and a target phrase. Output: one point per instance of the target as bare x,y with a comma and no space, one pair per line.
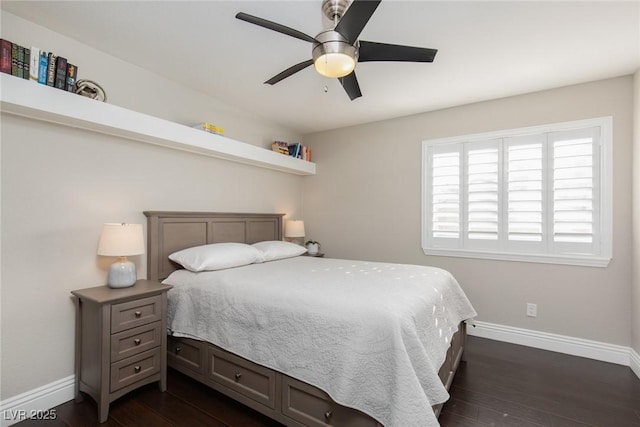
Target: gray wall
59,185
365,203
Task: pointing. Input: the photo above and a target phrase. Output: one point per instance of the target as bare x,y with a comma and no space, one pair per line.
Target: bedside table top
105,294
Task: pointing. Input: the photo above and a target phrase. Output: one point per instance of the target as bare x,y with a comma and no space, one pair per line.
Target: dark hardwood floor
500,384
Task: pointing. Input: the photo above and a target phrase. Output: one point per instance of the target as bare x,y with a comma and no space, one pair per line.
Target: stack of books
294,149
208,127
34,64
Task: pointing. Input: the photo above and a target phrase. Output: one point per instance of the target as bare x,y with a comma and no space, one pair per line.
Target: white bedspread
372,335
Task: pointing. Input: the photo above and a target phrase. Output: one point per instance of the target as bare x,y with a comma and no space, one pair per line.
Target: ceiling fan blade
351,86
289,71
275,27
355,18
373,51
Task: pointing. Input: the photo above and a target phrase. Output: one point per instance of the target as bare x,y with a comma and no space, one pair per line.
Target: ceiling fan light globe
335,65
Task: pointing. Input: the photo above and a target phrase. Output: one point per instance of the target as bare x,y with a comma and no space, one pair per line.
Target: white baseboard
635,362
36,403
560,343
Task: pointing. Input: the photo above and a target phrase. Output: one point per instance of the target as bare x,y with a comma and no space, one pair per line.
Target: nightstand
121,341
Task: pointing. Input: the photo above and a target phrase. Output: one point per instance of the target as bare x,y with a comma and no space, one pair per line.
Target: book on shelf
5,56
70,82
44,65
51,69
34,64
20,62
61,73
14,60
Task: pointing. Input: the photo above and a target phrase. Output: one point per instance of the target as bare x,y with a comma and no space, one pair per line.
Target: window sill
581,260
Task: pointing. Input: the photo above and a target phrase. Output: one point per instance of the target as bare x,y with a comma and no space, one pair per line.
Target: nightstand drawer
242,376
134,341
135,368
130,314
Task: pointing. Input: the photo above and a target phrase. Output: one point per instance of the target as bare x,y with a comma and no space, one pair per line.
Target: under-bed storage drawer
314,408
255,382
186,353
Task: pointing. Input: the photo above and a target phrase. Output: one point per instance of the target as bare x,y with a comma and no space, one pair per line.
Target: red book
5,56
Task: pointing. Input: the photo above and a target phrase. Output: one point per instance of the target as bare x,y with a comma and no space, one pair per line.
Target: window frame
603,186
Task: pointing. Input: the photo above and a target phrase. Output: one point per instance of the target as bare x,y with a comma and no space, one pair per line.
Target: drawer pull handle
327,415
137,368
238,376
178,350
138,313
136,341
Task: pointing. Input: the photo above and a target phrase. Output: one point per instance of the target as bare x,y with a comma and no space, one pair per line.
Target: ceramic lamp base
122,274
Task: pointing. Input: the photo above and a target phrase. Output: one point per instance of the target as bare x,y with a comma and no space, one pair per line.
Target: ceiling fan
336,51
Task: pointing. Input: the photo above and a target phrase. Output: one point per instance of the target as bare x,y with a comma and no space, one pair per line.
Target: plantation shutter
483,204
575,213
444,204
538,194
525,184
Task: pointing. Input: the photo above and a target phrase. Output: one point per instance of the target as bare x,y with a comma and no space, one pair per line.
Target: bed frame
278,396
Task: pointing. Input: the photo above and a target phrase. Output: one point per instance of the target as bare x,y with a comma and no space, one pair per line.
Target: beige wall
365,203
59,185
636,218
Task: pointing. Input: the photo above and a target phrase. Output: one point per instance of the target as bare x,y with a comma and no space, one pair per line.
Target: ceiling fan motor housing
330,47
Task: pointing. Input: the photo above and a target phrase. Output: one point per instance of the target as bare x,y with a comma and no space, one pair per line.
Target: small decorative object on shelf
208,127
313,247
294,149
91,89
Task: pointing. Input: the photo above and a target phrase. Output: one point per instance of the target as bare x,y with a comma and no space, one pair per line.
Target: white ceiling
486,50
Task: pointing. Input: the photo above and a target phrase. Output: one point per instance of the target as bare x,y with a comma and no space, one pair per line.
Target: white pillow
216,256
277,249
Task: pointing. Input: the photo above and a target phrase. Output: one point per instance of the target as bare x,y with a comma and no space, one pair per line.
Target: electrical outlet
532,310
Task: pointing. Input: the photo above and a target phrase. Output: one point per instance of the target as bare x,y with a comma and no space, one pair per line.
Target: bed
288,347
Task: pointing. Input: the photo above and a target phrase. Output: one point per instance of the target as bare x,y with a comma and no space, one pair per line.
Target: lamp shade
294,228
121,239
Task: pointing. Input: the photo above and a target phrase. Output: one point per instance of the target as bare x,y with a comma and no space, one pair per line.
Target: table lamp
121,240
294,229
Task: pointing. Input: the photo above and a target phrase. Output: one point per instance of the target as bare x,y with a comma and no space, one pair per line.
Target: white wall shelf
26,98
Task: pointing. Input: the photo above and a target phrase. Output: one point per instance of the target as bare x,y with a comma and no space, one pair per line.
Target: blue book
42,71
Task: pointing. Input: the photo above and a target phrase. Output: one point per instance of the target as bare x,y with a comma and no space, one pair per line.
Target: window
540,194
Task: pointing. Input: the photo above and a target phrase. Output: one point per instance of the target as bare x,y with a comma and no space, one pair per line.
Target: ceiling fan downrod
334,9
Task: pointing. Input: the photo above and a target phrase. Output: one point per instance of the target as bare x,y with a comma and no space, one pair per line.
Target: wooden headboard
168,232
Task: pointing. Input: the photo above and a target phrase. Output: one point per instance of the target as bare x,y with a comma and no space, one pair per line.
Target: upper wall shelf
29,99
